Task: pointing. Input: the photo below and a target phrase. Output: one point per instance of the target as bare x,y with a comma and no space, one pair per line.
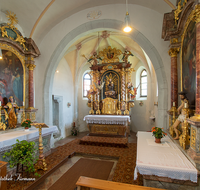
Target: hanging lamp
127,27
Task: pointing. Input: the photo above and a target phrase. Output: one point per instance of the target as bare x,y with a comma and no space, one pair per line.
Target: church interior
88,104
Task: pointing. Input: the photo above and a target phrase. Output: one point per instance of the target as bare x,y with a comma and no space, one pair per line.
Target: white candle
119,97
186,105
0,103
98,97
23,103
94,97
173,104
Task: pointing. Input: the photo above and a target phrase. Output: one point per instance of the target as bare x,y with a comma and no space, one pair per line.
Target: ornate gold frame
21,58
111,71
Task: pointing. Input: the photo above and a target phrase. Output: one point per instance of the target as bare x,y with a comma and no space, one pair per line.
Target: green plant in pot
23,154
158,133
26,124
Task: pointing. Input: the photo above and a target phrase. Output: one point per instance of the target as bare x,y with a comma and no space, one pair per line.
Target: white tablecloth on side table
165,159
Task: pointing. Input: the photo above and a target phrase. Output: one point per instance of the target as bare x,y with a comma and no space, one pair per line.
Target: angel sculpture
94,58
126,54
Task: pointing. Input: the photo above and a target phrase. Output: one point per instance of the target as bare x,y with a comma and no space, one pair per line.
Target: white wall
63,86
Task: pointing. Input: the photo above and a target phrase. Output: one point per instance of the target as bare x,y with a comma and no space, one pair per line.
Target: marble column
31,86
174,75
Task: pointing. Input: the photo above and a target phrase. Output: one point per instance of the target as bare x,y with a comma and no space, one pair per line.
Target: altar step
105,141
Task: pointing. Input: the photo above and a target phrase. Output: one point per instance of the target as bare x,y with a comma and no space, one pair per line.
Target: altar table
108,124
164,160
7,139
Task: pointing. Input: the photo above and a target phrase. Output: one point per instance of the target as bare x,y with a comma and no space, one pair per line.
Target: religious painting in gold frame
12,75
188,61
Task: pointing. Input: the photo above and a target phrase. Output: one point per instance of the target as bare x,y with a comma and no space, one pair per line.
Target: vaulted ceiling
39,16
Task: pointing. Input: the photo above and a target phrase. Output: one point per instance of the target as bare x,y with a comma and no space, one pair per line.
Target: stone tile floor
59,172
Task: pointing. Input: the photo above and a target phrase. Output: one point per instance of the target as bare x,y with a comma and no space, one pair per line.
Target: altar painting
11,77
189,63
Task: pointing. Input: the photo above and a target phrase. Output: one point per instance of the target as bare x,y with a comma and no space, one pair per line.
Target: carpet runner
105,141
98,169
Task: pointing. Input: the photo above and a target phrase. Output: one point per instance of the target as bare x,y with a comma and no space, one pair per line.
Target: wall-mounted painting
11,77
189,63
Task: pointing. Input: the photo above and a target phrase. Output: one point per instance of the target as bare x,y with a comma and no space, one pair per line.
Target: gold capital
173,52
31,66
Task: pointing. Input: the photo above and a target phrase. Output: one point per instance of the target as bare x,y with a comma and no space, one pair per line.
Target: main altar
111,95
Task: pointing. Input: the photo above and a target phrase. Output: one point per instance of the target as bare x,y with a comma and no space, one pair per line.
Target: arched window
143,83
86,84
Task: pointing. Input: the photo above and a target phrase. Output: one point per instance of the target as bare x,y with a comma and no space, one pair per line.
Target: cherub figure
126,54
94,58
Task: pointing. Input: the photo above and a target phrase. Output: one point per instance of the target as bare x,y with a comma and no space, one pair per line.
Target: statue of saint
182,116
110,93
126,54
94,58
11,110
110,85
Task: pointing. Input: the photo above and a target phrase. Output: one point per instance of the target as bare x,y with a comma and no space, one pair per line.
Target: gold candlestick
126,112
119,112
98,111
41,164
91,111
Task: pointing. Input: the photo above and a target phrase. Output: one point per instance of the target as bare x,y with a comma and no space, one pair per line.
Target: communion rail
87,183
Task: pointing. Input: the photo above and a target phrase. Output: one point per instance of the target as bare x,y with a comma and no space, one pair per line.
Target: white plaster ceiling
28,12
61,9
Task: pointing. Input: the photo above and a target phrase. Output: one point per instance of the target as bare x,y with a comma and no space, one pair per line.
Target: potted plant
158,133
23,154
74,131
26,124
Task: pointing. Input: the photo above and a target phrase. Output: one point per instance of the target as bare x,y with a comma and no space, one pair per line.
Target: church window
143,83
86,84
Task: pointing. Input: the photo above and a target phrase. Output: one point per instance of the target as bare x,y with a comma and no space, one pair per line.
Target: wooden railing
87,183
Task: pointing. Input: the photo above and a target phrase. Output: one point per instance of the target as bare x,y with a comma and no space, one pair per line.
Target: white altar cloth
107,119
164,161
8,139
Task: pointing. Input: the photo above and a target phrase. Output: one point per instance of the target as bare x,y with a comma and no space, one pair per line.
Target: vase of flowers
26,124
158,133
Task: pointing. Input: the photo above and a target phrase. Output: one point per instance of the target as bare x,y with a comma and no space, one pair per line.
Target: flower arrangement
74,131
158,133
26,124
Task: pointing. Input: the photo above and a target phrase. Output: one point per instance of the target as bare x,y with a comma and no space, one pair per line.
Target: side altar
111,91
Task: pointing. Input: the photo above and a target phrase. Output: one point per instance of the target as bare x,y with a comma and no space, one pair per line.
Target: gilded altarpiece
112,92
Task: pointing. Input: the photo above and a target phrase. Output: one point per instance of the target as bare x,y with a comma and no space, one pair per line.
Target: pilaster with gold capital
174,74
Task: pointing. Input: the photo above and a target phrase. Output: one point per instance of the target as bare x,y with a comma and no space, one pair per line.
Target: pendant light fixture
127,27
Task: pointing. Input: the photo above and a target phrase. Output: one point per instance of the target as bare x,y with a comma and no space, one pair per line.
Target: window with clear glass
143,83
86,84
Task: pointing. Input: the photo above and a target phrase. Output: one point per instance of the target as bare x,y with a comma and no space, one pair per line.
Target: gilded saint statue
182,115
94,58
11,107
110,93
126,54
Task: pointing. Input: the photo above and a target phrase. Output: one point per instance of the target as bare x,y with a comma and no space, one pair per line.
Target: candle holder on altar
119,112
41,164
91,111
126,112
98,112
